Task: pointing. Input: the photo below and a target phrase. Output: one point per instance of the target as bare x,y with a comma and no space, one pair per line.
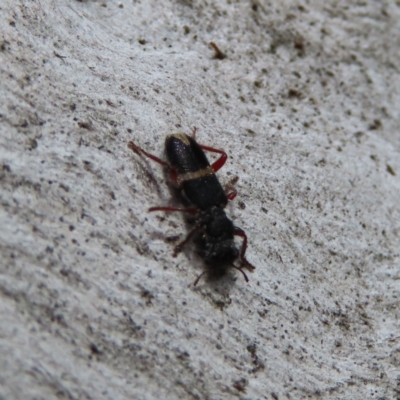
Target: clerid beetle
213,231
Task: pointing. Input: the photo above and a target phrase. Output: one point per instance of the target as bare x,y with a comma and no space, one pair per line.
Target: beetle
192,173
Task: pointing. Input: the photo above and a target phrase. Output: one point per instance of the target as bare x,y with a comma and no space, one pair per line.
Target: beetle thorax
218,244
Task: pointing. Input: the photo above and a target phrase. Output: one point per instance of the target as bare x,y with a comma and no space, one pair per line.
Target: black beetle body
192,172
217,243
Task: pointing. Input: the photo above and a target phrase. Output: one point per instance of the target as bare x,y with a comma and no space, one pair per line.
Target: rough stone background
306,103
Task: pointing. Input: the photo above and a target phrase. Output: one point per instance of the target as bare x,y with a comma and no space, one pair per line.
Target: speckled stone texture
306,104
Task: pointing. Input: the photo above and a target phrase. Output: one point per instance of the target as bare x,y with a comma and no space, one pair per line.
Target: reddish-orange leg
233,266
230,188
243,261
194,131
178,248
217,165
220,162
139,150
232,194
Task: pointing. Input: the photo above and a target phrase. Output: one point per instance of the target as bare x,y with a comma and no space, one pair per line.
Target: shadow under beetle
191,171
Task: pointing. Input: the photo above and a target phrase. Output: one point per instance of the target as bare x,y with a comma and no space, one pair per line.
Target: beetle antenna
239,269
198,278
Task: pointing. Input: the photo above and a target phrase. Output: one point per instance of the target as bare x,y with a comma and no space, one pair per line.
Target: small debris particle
59,55
376,124
85,125
294,93
174,238
240,385
299,44
94,349
390,170
252,348
219,55
32,144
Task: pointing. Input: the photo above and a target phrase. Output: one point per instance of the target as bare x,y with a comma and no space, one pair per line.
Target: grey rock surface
306,104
